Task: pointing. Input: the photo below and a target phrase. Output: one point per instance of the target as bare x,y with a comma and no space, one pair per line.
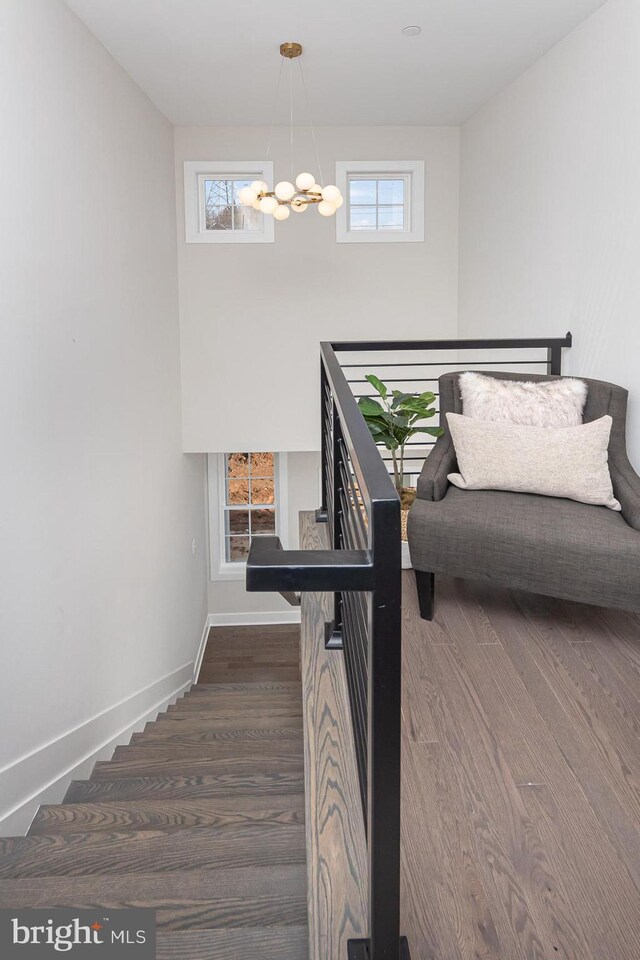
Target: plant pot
407,497
405,556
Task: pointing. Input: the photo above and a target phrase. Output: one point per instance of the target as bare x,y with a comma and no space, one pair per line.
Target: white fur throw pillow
567,462
547,403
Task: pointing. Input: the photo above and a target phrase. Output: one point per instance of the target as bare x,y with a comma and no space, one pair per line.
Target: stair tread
172,749
166,815
228,898
267,943
255,686
151,765
214,673
238,716
202,848
283,728
273,783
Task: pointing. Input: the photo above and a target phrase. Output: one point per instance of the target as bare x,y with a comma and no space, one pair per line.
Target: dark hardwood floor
201,816
521,778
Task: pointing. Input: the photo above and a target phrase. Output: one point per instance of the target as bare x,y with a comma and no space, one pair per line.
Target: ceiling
216,61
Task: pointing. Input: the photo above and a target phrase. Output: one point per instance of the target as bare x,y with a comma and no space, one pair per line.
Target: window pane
391,191
237,521
362,191
218,204
262,491
390,218
238,465
237,491
362,218
236,549
263,522
222,208
262,464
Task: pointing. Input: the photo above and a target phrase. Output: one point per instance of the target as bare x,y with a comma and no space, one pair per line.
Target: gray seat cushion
542,544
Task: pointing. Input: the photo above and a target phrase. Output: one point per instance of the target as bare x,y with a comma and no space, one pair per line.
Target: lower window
245,501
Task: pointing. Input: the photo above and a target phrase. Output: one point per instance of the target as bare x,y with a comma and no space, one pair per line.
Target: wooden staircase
200,817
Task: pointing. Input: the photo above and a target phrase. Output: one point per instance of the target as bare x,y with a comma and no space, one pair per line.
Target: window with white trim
246,493
213,212
384,201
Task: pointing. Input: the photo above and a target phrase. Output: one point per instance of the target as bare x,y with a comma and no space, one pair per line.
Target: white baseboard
201,649
251,619
44,774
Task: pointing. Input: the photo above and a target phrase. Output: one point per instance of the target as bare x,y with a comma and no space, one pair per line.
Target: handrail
363,571
274,569
389,346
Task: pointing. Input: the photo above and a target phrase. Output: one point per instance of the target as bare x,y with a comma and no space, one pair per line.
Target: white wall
252,315
102,603
550,204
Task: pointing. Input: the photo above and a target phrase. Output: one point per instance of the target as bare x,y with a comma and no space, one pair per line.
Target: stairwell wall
102,601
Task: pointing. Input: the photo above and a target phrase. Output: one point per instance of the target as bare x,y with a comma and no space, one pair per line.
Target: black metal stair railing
362,569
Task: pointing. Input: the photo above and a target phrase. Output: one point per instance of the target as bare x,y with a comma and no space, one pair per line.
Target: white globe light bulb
259,186
330,193
326,208
339,201
304,181
282,213
316,188
268,204
256,204
247,196
284,190
299,206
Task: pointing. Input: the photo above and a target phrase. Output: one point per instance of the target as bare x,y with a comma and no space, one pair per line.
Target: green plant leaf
378,384
400,398
369,407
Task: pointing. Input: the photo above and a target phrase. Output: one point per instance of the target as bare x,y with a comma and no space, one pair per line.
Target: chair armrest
626,485
432,482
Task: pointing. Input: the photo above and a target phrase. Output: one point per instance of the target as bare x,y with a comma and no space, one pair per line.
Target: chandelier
299,194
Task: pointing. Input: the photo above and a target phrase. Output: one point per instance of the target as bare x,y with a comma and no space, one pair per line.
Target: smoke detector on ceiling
411,31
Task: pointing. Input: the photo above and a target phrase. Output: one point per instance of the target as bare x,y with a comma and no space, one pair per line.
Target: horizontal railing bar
353,346
447,363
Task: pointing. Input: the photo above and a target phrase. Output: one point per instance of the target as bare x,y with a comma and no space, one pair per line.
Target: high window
384,201
213,212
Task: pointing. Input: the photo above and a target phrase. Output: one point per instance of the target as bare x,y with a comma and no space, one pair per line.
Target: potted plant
392,421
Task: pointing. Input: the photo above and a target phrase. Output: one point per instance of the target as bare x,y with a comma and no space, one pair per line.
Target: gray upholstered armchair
546,545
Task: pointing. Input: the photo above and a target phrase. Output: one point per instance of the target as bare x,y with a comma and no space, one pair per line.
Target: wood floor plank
612,740
443,895
494,713
273,783
166,815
